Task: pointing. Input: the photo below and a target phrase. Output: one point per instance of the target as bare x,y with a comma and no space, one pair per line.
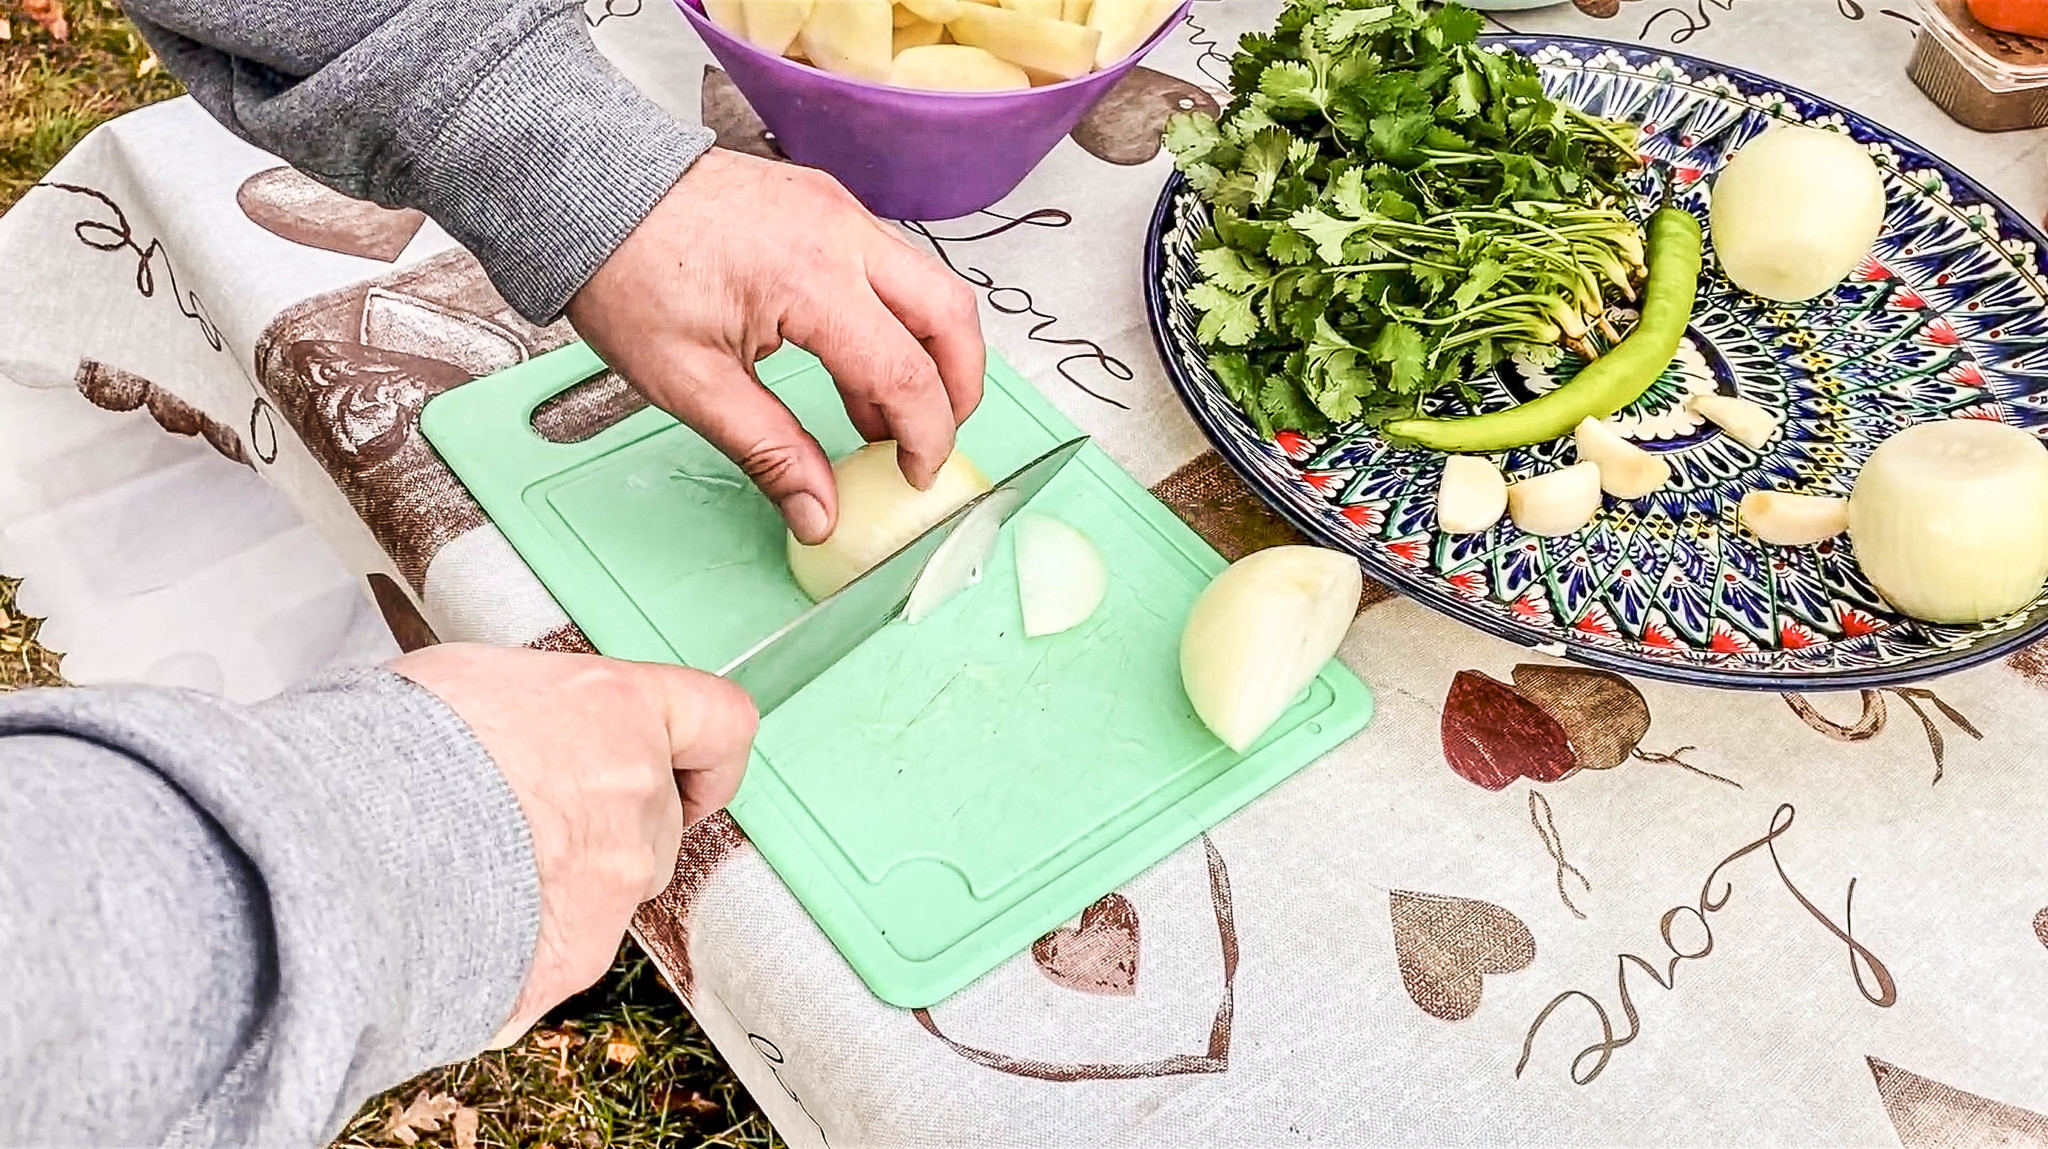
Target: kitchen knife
786,661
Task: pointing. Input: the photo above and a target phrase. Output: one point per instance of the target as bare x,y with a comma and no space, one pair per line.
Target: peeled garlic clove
1556,503
1061,577
879,511
1626,470
1787,520
1261,633
1950,520
1471,497
1749,424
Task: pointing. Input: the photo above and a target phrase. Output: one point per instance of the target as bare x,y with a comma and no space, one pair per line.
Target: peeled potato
850,37
730,15
879,511
955,68
1124,25
772,25
1043,9
1075,11
937,11
916,34
1794,210
1052,46
901,17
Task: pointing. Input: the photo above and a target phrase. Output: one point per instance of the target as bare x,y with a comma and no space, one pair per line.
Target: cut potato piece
1788,520
1558,503
955,68
1749,424
1043,9
730,15
1061,49
1075,11
1626,470
850,37
1472,496
1261,633
937,11
901,17
773,25
1124,25
916,34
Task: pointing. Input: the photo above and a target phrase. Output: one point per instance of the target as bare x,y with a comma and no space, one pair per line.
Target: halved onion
1261,632
879,511
1061,577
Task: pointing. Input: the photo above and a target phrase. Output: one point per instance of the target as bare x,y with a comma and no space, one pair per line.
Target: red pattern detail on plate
1691,175
1468,582
1939,331
1291,442
1414,552
1531,606
1793,636
1365,518
1856,623
1907,298
1597,622
1661,636
1724,640
1322,481
1989,412
1967,374
1872,270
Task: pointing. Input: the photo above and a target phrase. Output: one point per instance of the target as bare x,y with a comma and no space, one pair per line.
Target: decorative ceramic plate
1944,319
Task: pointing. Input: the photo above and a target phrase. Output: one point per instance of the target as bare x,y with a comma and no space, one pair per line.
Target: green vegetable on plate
1394,210
1610,382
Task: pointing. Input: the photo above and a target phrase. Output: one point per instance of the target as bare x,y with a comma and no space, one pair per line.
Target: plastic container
908,154
1988,80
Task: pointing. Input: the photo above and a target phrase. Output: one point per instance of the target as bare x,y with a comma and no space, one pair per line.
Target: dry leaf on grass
6,30
465,1128
423,1115
671,1100
621,1053
50,14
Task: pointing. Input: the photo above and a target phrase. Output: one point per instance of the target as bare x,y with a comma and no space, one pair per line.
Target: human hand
610,761
744,253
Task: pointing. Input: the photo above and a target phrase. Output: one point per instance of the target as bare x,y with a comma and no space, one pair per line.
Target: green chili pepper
1610,382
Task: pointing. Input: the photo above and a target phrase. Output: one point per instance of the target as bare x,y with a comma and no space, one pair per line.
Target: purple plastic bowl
909,154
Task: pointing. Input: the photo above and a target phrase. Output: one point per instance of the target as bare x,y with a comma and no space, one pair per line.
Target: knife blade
778,666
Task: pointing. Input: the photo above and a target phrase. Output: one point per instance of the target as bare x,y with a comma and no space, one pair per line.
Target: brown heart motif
1446,947
289,204
1125,127
1099,954
1492,735
2041,925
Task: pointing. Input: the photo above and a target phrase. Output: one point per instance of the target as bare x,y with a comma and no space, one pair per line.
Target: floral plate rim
2023,629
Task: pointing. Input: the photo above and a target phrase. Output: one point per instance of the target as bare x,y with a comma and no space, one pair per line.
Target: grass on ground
621,1065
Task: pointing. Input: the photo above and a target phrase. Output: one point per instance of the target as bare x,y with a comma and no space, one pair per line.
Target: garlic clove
1471,497
1788,520
1626,470
1749,424
1557,503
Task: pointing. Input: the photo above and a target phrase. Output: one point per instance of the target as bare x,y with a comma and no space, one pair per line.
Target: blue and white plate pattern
1945,318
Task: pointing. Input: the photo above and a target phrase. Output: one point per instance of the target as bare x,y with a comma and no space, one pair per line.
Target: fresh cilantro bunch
1395,209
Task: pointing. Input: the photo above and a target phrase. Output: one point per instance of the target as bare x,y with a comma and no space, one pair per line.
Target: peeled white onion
1950,520
1261,633
879,511
1061,577
1794,210
959,561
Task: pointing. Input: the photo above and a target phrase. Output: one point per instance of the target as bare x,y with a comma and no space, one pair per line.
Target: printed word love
1696,941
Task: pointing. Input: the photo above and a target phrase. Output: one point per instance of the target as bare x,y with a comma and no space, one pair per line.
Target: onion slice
1061,577
960,560
1261,633
879,512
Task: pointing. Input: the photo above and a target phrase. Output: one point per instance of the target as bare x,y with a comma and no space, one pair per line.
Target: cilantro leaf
1226,318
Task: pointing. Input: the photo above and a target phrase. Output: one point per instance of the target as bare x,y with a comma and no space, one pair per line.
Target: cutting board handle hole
587,409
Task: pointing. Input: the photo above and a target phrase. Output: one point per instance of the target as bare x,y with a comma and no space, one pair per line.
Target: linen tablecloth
1775,920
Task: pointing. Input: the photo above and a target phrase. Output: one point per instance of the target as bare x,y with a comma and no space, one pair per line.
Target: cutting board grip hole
586,409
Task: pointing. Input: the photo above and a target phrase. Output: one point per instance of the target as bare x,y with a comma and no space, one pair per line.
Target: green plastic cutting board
952,790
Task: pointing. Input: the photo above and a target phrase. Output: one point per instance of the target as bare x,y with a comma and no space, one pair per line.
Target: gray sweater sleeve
229,926
498,118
